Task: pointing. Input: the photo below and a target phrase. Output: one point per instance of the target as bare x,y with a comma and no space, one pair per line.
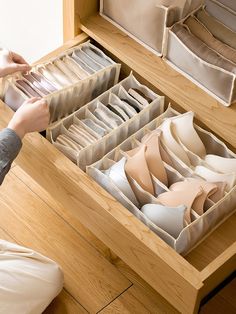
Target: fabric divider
201,226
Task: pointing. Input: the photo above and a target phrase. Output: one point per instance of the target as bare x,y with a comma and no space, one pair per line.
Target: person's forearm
10,145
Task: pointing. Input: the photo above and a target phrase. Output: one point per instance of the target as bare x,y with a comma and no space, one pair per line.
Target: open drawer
182,281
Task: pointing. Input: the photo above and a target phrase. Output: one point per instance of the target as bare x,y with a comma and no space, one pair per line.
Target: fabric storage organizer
202,225
91,153
218,79
146,23
180,282
67,99
162,15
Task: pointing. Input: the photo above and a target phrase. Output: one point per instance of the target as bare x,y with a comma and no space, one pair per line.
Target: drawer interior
224,236
141,249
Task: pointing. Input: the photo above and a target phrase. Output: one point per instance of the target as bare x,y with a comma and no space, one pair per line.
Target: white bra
184,130
212,176
221,164
170,219
168,139
117,174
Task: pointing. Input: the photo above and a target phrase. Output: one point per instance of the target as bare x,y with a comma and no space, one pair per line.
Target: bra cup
117,174
184,130
208,190
153,158
221,164
212,176
136,167
175,198
164,155
219,194
169,140
170,219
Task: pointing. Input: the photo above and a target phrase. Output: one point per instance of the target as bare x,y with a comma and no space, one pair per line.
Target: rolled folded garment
75,67
218,30
27,89
44,82
200,31
96,55
202,50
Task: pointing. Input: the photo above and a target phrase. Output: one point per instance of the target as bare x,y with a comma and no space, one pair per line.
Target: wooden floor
95,279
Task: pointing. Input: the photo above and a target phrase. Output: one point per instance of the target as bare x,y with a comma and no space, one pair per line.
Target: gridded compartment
216,210
113,135
87,73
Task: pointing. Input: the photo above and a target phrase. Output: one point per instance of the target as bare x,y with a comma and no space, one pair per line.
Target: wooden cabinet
182,281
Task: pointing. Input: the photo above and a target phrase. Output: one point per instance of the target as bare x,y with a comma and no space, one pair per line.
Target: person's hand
32,116
11,62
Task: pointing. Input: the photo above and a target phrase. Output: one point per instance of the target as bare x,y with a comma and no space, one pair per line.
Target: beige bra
136,168
154,157
206,187
179,197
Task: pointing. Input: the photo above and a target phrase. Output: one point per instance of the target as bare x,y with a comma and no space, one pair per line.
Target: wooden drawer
182,281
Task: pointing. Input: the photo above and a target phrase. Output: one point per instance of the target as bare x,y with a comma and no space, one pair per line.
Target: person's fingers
18,59
33,100
14,67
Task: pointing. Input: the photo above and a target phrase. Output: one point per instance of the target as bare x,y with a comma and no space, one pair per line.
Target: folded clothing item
201,49
44,82
35,84
82,56
96,56
66,141
25,87
200,31
81,133
217,29
140,96
60,77
75,67
95,127
118,111
61,65
108,117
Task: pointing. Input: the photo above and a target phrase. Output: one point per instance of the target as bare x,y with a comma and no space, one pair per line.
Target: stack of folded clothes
174,176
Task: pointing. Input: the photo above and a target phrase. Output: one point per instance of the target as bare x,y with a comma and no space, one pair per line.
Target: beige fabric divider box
216,81
102,146
146,21
68,99
199,229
